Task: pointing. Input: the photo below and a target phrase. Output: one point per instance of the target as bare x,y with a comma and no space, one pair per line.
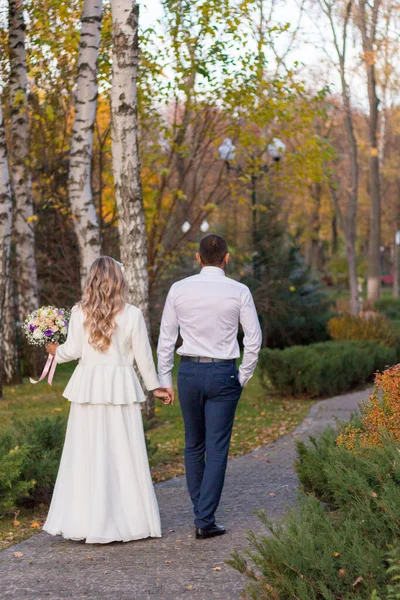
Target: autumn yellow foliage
369,326
380,416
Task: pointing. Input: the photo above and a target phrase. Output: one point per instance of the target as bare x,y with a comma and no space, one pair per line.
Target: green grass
260,419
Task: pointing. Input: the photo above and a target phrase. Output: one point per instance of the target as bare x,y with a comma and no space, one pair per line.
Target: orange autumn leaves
381,415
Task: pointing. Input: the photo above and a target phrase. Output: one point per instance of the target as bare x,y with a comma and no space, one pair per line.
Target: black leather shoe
203,534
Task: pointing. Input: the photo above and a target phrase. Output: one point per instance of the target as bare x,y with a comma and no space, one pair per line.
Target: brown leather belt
205,359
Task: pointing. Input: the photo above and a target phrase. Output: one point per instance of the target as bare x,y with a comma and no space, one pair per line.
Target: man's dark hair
213,249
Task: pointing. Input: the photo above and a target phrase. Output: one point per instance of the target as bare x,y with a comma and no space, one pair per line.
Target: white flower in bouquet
47,324
38,334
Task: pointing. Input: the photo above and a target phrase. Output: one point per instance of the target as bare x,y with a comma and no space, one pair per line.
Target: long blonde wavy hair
103,298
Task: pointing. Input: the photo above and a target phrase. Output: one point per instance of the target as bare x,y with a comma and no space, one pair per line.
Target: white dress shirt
109,377
207,309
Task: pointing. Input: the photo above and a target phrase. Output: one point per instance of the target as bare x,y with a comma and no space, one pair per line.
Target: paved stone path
177,566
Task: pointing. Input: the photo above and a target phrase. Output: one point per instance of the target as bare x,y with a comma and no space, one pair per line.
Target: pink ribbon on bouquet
48,370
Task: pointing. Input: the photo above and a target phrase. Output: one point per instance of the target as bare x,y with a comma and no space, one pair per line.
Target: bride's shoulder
132,310
77,309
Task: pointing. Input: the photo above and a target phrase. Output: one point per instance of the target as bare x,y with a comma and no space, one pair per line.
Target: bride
104,492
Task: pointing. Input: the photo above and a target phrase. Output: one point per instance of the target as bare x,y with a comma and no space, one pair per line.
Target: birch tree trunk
11,369
20,170
125,157
25,264
80,190
5,235
367,22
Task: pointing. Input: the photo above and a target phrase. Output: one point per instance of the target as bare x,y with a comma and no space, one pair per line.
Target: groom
206,309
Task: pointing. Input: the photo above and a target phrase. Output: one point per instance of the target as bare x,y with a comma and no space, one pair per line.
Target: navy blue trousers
208,394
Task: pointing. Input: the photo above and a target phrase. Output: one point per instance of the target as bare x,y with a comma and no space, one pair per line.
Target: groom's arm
252,337
169,330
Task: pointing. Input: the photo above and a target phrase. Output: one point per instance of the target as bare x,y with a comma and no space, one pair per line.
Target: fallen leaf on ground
217,569
16,523
35,524
17,554
189,587
357,581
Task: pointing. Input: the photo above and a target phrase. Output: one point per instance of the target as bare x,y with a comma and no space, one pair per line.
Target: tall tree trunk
80,189
11,371
5,235
348,221
26,277
125,157
315,246
367,20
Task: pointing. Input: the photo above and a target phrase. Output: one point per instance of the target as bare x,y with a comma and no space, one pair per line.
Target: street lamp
276,150
227,151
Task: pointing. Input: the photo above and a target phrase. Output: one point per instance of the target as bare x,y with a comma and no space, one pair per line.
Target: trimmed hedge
389,307
323,369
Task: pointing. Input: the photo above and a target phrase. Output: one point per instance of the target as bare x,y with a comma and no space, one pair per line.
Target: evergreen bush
313,555
341,548
30,453
323,369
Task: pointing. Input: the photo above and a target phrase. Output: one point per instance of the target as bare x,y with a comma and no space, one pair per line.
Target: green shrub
29,473
323,369
312,556
44,439
393,571
30,453
13,488
389,307
341,554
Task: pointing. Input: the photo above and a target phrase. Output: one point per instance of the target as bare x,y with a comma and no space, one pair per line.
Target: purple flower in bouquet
32,327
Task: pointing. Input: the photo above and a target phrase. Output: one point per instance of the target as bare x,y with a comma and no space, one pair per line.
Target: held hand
171,394
51,348
164,395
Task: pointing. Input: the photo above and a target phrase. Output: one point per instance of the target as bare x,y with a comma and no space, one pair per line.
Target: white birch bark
20,170
80,190
125,151
11,369
5,234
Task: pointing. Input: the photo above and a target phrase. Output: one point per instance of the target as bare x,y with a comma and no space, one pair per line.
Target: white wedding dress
104,492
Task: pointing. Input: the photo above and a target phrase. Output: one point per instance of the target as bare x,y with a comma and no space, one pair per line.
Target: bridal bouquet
46,325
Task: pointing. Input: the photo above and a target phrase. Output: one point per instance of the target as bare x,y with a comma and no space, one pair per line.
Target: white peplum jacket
109,377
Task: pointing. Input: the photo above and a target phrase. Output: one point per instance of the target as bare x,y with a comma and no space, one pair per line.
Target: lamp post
276,150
